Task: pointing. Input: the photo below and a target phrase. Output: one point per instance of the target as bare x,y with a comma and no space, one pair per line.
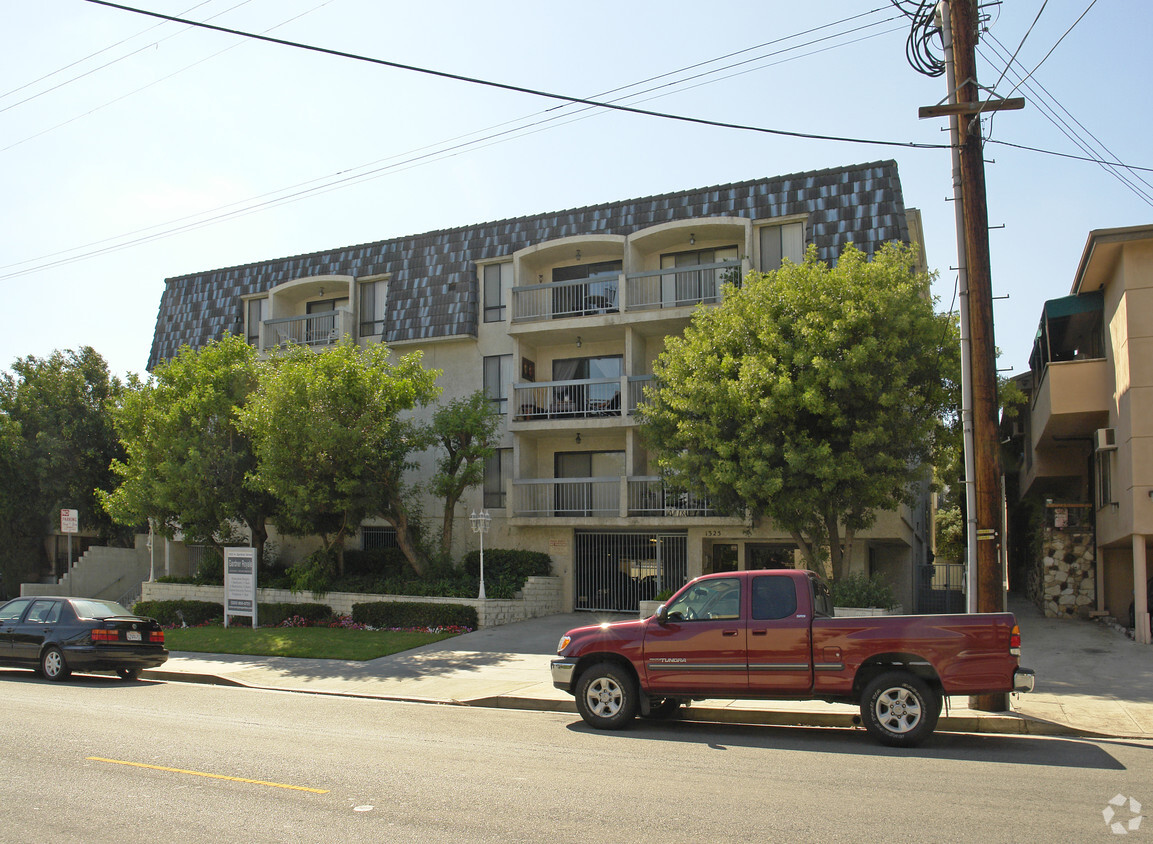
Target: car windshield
98,609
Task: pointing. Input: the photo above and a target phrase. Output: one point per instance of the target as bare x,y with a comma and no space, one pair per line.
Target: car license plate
133,635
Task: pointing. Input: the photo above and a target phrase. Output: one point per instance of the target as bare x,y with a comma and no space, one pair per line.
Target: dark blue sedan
56,636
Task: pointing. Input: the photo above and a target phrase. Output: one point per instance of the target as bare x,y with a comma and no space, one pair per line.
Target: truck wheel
899,709
606,696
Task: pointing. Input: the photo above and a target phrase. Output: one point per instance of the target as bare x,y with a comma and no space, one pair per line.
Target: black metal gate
940,588
615,571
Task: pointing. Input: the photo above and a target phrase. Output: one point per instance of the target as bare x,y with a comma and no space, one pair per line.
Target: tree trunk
837,559
412,553
446,526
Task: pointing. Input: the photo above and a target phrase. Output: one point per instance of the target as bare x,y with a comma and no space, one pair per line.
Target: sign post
69,524
240,583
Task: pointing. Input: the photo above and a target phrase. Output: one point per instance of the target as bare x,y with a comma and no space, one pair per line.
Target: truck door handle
728,632
760,632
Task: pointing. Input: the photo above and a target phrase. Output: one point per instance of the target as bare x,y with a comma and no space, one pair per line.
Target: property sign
240,583
70,521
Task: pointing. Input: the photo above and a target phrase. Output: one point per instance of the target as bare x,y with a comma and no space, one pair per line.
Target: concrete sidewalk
1091,681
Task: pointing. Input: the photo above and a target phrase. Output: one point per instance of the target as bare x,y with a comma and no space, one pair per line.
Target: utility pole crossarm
967,108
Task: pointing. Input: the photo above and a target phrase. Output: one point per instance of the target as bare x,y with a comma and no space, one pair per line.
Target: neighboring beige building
1088,435
559,317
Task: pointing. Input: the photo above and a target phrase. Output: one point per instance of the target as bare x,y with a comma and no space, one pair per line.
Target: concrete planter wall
649,608
540,596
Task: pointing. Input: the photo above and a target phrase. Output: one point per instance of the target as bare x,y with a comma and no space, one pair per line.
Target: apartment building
1088,433
559,316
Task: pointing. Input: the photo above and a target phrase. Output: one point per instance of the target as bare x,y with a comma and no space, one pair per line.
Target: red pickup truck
772,635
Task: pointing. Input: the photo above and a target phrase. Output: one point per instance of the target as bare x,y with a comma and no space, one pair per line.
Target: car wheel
606,696
53,666
663,709
128,673
899,709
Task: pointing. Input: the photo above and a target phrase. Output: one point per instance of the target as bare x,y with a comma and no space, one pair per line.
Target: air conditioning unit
1106,439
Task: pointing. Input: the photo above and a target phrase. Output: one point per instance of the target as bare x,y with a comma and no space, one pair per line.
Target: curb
992,724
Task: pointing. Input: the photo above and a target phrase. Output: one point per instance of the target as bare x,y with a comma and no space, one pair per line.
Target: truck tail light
1015,641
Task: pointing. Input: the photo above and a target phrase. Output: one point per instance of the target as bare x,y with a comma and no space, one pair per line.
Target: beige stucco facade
1089,432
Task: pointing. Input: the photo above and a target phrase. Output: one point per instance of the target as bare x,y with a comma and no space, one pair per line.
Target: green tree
812,396
58,441
333,440
465,430
188,461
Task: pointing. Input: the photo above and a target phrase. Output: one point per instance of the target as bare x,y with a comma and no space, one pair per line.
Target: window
773,598
497,378
373,300
45,612
374,538
601,398
780,242
12,611
495,279
599,296
1104,478
600,495
698,285
256,308
497,469
707,600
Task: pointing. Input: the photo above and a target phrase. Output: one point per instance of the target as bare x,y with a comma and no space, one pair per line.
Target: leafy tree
57,441
465,429
812,396
332,444
187,458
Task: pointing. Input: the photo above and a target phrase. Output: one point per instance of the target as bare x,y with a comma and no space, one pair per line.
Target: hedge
199,612
191,612
386,614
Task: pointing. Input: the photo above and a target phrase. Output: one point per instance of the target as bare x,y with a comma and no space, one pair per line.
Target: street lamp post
480,522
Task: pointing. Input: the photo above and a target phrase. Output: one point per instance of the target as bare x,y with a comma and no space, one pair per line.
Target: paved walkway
1091,680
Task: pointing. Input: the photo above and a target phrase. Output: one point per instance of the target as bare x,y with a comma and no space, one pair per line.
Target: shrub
381,564
172,613
272,615
385,614
315,573
210,572
507,569
859,590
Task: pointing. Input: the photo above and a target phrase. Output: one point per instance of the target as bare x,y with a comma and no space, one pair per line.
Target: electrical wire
918,47
520,89
301,190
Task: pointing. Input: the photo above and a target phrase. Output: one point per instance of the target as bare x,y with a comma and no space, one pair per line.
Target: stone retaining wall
1065,583
540,596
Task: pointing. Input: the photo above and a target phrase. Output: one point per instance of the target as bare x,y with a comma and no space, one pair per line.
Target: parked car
56,636
771,635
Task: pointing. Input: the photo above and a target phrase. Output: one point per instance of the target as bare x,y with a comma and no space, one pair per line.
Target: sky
133,150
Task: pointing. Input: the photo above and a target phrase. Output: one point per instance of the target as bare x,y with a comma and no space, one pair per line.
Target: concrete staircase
114,574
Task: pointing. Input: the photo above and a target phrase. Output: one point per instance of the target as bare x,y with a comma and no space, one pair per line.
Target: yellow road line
211,776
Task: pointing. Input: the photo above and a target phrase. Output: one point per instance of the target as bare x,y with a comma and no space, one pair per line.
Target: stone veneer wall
540,596
1065,584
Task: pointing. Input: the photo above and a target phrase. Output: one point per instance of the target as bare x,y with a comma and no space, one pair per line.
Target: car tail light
1015,641
104,635
156,637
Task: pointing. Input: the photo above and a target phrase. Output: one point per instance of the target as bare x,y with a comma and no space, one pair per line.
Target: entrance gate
615,571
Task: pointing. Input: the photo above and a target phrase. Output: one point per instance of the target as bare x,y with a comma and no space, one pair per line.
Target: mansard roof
433,289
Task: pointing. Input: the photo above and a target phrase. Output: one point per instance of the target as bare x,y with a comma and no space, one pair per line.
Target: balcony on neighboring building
316,330
1073,380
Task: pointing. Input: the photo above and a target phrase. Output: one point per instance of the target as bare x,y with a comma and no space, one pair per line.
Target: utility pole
983,356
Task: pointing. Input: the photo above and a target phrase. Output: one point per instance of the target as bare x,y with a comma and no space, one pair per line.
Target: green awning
1070,305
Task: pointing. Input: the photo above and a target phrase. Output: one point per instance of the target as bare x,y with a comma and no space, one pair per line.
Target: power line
331,183
520,89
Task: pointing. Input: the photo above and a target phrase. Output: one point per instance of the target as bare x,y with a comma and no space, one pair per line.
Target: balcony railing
636,387
323,329
650,497
565,299
602,497
675,288
567,399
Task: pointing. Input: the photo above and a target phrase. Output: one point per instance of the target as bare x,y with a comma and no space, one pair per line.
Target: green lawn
311,642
